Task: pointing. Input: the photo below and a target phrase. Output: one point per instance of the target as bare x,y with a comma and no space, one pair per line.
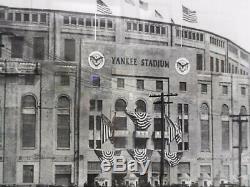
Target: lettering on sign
158,63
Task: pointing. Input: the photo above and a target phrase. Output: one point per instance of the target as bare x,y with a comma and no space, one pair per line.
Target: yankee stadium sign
159,63
120,164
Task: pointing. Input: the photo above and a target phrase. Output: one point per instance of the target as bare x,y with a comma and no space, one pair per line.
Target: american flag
130,2
143,5
107,130
174,132
140,119
158,14
189,15
103,8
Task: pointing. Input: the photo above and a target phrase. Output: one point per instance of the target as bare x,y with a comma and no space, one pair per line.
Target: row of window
146,28
101,23
29,119
191,35
62,174
225,132
26,17
217,42
140,84
224,89
217,65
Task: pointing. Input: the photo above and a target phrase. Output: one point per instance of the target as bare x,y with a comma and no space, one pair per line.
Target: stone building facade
51,99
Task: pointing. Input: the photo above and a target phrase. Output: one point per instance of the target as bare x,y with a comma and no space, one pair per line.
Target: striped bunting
107,130
140,155
107,155
173,158
140,119
174,132
103,8
188,15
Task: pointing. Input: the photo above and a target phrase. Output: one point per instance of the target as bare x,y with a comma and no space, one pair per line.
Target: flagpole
95,25
181,24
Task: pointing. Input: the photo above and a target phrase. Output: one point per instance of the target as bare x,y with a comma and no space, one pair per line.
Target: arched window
224,110
140,106
63,122
120,105
204,120
28,121
225,127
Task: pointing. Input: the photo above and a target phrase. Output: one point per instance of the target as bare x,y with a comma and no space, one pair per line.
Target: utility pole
239,147
162,102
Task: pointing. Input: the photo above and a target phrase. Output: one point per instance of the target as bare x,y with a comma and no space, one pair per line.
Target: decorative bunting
107,155
173,158
140,119
140,155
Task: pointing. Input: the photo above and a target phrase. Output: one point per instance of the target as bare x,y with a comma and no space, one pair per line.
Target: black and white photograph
124,93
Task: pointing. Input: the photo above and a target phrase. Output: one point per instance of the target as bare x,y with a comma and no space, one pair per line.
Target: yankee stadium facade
61,91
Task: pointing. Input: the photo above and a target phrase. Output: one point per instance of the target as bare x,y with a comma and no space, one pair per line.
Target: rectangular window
146,28
102,23
29,130
140,27
129,26
18,16
73,20
99,105
163,30
92,105
222,66
193,35
98,144
186,145
225,135
43,18
180,146
10,16
63,175
38,48
217,65
140,143
185,125
80,21
28,173
17,47
157,144
185,109
69,49
226,171
211,63
110,24
34,18
189,35
88,22
2,15
91,122
158,30
224,89
179,109
120,83
91,144
140,84
183,86
134,26
98,123
197,36
201,37
95,80
157,124
159,85
26,17
204,135
244,135
63,131
199,62
152,29
64,80
204,88
243,90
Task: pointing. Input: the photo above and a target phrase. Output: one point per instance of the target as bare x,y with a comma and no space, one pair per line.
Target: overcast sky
229,18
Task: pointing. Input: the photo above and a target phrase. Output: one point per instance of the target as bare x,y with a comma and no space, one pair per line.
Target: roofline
125,17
